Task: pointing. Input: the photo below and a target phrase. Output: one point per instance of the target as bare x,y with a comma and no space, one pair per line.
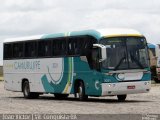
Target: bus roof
110,32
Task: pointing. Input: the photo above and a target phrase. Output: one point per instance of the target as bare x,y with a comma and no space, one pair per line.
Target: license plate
131,87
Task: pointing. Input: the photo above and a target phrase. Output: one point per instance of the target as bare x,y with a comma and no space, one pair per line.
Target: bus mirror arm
101,60
103,51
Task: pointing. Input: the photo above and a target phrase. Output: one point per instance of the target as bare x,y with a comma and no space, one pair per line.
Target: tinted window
73,46
70,46
18,50
80,45
59,47
44,48
86,45
31,49
7,51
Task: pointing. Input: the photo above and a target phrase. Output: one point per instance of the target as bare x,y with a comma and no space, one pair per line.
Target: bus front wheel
81,92
26,91
121,98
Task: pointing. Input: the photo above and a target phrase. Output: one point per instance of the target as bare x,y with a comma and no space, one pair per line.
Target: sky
34,17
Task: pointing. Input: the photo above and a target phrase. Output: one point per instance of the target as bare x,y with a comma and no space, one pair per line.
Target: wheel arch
76,84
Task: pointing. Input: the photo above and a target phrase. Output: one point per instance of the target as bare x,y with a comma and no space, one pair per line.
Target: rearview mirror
103,51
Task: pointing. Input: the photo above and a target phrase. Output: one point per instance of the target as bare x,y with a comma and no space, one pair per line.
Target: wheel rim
80,92
26,90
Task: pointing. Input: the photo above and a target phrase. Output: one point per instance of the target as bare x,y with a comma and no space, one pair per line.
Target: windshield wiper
137,61
119,63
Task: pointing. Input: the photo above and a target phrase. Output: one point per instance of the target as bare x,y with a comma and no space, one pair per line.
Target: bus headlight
111,85
146,83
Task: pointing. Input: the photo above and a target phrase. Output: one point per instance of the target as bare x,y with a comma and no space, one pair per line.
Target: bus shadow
93,100
96,100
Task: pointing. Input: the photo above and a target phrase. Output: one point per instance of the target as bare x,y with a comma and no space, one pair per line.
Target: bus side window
73,46
8,51
30,49
80,45
18,50
95,59
86,45
59,47
44,48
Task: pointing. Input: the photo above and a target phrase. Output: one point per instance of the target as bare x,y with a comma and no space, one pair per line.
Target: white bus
85,63
154,54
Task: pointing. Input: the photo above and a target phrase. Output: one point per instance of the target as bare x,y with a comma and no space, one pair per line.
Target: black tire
80,92
60,96
121,98
156,80
26,91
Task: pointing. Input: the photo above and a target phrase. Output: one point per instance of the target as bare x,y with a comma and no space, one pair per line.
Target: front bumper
122,88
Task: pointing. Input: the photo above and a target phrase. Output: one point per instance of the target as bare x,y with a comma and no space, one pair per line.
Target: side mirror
103,51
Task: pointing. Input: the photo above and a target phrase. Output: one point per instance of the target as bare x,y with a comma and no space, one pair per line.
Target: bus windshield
125,53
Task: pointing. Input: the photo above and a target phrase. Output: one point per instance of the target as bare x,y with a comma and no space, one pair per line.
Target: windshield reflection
125,53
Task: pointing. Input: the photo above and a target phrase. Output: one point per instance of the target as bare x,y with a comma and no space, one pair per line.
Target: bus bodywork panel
58,75
125,88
